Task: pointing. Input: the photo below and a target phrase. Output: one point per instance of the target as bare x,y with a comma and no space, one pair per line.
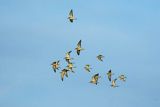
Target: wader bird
122,78
78,48
67,57
114,83
64,73
71,16
55,65
70,67
109,74
87,68
95,78
100,57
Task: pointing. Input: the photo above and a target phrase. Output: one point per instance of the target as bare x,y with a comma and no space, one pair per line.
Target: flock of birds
87,67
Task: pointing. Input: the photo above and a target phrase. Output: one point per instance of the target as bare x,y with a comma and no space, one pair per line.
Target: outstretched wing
62,75
114,81
66,74
69,52
87,69
93,79
79,44
71,20
109,77
78,52
71,13
87,65
96,76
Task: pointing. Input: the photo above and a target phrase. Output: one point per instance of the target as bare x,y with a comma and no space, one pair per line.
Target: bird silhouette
109,74
70,67
78,48
67,57
87,67
55,65
95,78
122,78
114,83
100,57
64,72
71,16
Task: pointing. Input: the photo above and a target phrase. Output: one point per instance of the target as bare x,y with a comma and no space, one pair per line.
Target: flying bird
71,16
67,57
87,67
109,74
55,65
70,67
114,83
100,57
95,78
64,72
122,78
78,48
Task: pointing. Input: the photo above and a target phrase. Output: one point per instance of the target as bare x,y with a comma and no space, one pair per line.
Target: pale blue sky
33,33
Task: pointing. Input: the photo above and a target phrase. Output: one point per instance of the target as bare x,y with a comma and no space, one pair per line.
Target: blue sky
33,33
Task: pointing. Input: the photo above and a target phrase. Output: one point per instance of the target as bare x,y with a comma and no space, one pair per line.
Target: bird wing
113,83
88,65
87,69
96,76
69,52
71,20
62,75
93,79
71,13
53,63
79,44
109,77
78,52
66,74
102,56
